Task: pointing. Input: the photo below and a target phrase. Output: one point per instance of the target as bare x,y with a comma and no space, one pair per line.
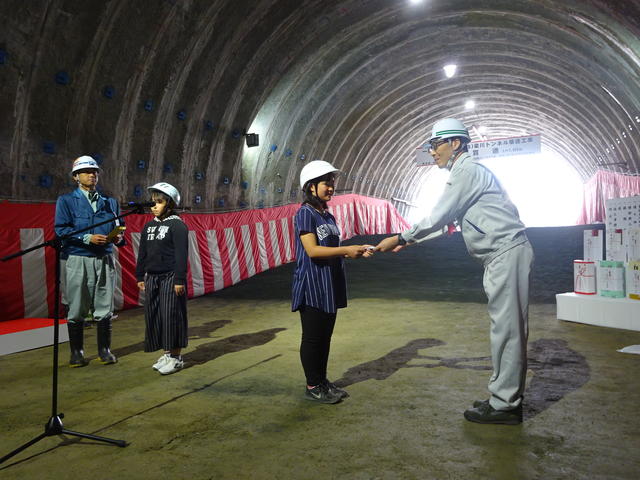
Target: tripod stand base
54,427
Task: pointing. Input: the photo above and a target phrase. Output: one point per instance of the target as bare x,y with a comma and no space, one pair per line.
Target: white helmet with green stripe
449,128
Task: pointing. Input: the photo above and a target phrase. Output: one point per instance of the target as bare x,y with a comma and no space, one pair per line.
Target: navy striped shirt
319,283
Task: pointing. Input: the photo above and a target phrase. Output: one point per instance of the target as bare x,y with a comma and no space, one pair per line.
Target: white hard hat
83,162
315,169
449,128
167,189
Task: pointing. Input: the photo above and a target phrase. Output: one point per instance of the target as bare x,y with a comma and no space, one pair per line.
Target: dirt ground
411,349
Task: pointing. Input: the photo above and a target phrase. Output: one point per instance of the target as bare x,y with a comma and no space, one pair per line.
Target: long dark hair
310,198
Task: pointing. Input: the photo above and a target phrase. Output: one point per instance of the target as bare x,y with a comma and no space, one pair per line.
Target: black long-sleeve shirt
164,247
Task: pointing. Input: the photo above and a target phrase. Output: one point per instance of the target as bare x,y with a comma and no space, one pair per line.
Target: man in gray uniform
495,236
89,270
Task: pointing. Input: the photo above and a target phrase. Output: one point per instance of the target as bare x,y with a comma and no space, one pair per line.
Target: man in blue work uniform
89,270
495,236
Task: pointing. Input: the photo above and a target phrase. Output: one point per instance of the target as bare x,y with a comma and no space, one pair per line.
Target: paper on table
631,349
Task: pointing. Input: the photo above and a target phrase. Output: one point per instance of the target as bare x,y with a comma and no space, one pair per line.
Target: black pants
317,328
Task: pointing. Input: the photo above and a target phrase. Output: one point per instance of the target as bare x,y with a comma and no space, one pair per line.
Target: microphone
141,204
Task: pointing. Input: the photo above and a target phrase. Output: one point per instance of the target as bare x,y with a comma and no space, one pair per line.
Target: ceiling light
470,105
450,70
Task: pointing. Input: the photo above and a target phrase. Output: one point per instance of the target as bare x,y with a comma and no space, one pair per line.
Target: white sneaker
161,361
172,365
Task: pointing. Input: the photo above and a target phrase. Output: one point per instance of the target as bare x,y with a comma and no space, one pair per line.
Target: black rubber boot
104,342
76,338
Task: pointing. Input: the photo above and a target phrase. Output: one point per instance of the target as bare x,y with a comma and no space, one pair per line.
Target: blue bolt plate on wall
142,164
109,92
148,105
45,181
49,147
197,199
137,191
62,78
181,115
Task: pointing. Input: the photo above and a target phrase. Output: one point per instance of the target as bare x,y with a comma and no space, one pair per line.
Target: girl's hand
179,289
141,286
355,251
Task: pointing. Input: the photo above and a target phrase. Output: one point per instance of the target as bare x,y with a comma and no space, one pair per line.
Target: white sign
423,157
623,213
505,147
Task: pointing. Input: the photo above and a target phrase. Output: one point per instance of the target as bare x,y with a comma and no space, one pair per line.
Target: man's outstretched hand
389,244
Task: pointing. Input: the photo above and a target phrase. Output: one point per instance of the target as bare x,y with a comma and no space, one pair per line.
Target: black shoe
321,394
477,403
334,389
485,413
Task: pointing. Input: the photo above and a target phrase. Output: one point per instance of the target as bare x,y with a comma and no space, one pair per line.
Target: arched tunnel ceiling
358,83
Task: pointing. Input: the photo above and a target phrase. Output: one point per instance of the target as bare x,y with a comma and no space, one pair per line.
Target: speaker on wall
252,139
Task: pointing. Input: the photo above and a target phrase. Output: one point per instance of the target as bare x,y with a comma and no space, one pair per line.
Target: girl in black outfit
161,272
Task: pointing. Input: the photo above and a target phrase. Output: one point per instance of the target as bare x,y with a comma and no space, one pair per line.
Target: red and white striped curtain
601,187
223,249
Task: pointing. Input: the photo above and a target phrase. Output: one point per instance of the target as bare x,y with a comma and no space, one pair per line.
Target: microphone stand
54,424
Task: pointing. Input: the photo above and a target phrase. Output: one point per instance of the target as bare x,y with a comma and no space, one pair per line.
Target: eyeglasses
434,144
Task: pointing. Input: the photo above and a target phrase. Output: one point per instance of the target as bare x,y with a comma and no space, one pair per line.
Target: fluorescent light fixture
470,105
450,70
415,2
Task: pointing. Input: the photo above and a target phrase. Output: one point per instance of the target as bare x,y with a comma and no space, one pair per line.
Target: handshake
389,244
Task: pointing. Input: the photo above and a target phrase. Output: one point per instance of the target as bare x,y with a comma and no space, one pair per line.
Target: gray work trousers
506,283
89,287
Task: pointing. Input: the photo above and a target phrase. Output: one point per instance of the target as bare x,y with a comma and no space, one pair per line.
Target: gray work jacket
475,199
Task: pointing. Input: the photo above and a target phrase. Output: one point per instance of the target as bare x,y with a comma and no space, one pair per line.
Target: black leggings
317,328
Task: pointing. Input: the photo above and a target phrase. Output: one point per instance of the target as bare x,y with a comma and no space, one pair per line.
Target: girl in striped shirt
319,284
